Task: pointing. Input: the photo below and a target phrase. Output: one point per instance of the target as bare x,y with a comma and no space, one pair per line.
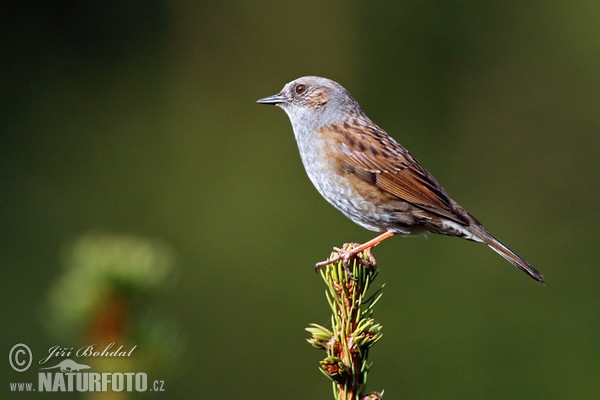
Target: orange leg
350,254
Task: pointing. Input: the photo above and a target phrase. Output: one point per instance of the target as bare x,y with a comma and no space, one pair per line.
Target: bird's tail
509,255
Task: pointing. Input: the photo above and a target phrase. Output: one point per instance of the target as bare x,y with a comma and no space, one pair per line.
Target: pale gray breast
334,185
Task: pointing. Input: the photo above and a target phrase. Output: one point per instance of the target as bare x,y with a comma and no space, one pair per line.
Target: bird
370,177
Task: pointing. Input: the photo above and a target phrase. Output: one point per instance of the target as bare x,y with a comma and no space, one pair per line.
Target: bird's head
313,99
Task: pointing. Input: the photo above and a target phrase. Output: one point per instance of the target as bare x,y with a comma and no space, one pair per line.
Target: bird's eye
300,89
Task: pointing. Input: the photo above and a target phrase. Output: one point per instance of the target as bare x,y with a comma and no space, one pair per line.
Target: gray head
312,102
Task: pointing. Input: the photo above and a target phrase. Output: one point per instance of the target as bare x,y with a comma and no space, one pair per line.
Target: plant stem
353,330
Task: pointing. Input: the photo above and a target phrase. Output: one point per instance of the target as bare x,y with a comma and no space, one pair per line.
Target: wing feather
379,160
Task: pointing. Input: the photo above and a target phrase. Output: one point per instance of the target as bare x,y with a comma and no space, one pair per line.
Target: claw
348,255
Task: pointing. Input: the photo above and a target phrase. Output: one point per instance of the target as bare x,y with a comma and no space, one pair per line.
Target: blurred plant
106,295
353,330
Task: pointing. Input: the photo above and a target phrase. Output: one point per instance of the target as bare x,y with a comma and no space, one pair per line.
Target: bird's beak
273,100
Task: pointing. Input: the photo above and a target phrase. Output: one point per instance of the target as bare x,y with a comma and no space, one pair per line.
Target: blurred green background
139,117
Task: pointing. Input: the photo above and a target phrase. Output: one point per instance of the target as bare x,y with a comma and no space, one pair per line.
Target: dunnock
368,176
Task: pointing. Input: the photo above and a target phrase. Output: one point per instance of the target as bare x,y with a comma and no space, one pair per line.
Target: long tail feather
510,256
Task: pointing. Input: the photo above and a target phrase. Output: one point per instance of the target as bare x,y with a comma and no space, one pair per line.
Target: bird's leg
347,255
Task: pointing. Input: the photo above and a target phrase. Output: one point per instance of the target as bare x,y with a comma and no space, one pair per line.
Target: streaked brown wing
376,158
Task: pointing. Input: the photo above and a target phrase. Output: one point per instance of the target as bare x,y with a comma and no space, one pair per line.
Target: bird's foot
349,252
